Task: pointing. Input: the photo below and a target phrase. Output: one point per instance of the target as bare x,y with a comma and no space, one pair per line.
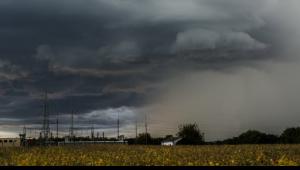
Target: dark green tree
190,134
168,136
290,135
144,138
256,137
253,137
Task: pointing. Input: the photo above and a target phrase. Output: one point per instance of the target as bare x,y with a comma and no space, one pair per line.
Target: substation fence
91,142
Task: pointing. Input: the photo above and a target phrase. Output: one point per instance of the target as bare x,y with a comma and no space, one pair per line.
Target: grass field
153,155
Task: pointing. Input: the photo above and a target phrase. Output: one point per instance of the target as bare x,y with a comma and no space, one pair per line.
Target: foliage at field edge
191,135
107,155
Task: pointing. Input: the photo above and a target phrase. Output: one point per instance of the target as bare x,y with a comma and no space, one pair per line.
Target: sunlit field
107,155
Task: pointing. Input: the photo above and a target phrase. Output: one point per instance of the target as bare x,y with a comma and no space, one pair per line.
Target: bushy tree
256,137
168,136
253,137
190,134
143,138
290,135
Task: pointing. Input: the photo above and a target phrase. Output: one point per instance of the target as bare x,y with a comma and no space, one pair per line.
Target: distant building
10,142
172,141
121,137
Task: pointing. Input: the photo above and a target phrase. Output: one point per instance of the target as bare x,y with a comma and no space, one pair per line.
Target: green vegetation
190,134
108,155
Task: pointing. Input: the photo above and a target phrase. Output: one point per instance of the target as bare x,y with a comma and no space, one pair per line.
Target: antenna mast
72,125
146,129
46,128
92,132
57,127
136,130
118,127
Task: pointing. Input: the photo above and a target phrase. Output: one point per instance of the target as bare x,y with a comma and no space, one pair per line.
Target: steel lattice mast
72,124
118,137
46,127
146,129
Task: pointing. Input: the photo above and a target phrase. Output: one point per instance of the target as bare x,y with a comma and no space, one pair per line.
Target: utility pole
46,128
118,127
23,136
136,131
92,132
24,130
146,129
57,127
72,136
72,125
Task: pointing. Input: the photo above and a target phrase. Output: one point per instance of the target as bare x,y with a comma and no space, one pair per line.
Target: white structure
10,142
121,138
170,141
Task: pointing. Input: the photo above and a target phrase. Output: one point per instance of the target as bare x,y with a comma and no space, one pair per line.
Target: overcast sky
228,65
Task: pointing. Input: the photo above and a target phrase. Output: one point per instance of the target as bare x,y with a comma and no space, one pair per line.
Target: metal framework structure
46,128
72,125
146,129
118,136
44,136
136,131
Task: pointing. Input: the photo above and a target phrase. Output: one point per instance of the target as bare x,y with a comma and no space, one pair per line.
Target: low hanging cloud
211,40
123,51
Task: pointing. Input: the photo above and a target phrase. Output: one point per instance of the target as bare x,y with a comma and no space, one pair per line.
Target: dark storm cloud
98,30
111,53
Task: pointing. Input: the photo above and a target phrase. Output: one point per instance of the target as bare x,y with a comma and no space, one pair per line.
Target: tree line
191,135
288,136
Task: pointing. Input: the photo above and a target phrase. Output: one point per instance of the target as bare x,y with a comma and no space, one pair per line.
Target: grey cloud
123,51
98,38
108,54
210,40
190,10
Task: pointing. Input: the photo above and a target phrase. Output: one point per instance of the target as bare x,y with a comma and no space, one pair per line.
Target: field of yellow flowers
123,155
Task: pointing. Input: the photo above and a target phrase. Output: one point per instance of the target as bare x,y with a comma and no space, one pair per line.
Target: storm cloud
96,56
